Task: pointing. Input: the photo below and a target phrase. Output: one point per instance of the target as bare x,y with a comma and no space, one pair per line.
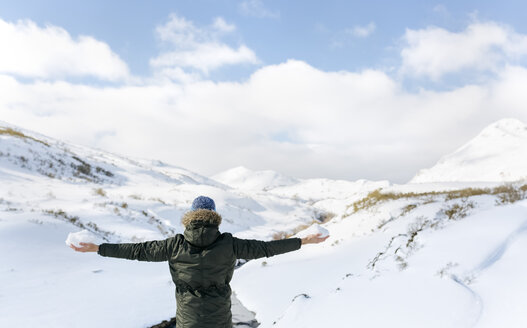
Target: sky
336,89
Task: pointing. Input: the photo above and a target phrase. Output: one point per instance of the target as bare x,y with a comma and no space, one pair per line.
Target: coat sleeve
152,251
252,249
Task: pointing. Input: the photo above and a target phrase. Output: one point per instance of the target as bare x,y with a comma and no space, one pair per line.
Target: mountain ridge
497,154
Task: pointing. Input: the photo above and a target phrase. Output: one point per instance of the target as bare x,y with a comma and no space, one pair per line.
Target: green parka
201,262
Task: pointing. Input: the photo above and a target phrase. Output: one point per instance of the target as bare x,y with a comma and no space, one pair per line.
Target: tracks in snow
492,258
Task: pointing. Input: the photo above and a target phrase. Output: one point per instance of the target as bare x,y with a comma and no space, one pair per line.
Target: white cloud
434,52
221,25
256,8
198,48
362,31
179,30
167,74
338,124
50,52
342,37
289,117
206,57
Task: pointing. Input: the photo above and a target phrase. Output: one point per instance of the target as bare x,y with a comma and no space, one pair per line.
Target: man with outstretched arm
201,262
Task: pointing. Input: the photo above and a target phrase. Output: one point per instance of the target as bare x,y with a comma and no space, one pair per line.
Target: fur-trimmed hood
201,215
201,227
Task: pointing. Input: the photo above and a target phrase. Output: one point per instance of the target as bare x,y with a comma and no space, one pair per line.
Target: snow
243,178
52,191
314,229
498,153
343,291
400,262
83,236
44,285
326,195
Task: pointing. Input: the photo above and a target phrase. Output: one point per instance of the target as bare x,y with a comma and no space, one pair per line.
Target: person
201,262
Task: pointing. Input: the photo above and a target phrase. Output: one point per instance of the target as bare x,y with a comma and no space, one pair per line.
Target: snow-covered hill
402,259
325,195
498,153
51,188
112,192
243,178
446,254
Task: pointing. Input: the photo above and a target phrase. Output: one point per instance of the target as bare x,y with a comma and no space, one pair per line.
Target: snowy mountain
498,153
243,178
53,171
326,195
446,254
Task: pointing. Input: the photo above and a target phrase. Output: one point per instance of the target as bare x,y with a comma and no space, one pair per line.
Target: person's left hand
86,247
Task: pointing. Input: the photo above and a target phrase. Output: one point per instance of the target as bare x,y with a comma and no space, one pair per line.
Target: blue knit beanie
203,202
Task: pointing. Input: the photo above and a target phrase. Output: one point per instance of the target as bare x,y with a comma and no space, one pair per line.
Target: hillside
498,153
243,178
115,193
51,188
325,195
403,258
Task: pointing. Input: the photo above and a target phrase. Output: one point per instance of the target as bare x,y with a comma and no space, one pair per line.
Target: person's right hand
85,247
314,239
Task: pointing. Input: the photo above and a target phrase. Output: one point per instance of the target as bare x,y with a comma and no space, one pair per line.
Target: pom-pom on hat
203,202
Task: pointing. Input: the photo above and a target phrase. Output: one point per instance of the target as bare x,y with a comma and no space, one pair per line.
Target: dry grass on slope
506,194
18,134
